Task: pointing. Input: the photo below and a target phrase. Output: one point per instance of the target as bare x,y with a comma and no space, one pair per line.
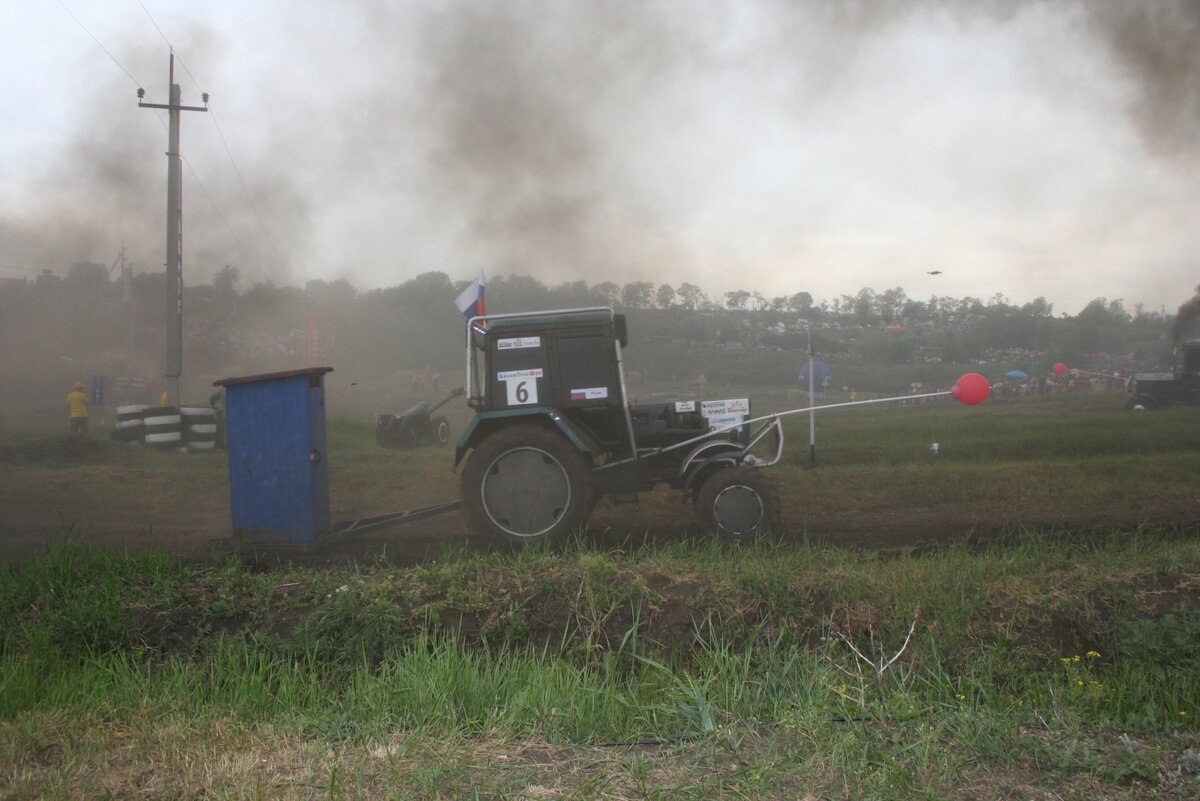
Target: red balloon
971,388
1059,368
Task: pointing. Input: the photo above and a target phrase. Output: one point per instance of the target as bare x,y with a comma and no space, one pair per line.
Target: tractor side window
587,374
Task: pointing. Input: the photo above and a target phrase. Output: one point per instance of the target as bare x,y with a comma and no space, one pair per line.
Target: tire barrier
199,428
130,423
163,427
169,428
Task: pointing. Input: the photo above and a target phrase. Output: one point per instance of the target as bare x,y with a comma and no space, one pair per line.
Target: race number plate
521,386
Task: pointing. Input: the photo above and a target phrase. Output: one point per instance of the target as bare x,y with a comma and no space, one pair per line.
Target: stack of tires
130,423
163,428
199,428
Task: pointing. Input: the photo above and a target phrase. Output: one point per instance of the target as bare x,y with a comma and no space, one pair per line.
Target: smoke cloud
378,140
1186,318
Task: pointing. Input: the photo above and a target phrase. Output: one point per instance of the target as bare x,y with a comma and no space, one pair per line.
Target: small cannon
416,427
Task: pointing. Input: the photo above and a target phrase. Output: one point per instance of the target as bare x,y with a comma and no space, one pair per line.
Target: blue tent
1017,374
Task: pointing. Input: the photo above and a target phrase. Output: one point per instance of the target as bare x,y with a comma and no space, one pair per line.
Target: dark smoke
513,130
1186,318
522,118
106,188
526,102
1157,44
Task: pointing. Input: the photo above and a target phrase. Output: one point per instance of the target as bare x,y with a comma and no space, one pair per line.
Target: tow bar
365,524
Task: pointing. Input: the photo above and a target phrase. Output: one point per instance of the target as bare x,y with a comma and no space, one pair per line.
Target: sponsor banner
517,343
589,393
723,420
685,406
716,407
519,375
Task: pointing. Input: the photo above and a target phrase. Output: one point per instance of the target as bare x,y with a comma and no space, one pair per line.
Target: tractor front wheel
738,503
1141,403
526,483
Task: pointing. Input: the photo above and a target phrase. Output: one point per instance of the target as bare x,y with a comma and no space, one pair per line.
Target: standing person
77,402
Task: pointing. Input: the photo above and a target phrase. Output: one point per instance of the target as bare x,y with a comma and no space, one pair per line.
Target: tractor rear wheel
440,427
526,483
738,503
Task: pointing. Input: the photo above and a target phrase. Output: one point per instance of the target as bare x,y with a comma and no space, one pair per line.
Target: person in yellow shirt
77,402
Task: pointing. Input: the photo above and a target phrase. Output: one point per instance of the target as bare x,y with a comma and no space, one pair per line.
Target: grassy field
1017,616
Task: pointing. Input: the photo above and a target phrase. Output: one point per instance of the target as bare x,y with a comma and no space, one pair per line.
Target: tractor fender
484,424
706,458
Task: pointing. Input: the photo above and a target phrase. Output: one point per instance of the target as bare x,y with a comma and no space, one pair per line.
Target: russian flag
471,302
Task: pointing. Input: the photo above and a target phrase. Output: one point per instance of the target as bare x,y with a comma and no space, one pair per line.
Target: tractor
554,432
1156,390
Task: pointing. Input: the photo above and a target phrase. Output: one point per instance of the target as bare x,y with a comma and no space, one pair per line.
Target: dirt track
184,506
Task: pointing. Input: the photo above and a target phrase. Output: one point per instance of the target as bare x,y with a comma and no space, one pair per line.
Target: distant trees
76,321
1038,307
689,296
800,303
890,304
665,296
863,306
608,291
736,299
226,280
637,294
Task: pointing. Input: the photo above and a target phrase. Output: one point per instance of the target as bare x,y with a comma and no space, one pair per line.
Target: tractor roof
547,318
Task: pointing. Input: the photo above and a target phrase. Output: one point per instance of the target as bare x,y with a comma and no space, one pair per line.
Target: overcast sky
1023,148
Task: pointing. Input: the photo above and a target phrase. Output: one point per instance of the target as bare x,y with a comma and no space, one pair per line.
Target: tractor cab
564,366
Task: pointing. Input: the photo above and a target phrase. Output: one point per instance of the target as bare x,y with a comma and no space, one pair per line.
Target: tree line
55,323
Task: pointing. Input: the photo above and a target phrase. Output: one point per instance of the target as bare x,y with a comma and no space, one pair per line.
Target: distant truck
1156,390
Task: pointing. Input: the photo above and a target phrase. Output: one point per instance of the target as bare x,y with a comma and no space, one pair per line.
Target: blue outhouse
278,471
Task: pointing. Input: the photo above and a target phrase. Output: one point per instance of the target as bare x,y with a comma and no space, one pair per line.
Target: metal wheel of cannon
440,428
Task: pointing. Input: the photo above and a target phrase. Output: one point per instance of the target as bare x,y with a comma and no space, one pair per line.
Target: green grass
1032,660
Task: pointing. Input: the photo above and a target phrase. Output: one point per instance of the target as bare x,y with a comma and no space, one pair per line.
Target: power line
155,24
168,41
136,82
245,190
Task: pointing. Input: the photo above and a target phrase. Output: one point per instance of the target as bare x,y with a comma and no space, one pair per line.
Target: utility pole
126,296
812,411
174,230
125,277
